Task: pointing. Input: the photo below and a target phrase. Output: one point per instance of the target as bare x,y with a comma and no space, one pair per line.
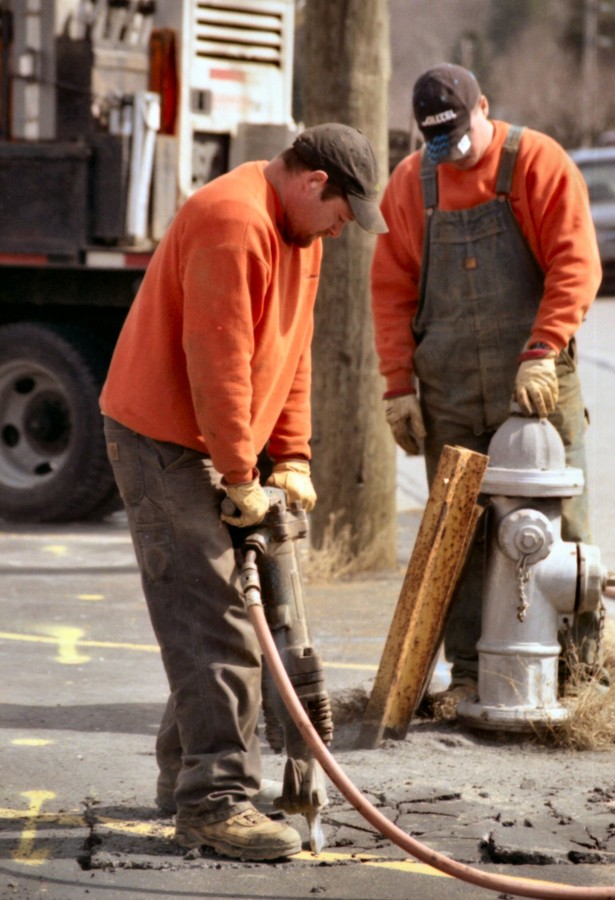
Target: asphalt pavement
83,691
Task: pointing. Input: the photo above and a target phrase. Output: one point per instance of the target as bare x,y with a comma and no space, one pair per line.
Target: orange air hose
494,882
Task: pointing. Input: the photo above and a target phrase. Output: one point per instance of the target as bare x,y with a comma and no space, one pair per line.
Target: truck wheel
53,461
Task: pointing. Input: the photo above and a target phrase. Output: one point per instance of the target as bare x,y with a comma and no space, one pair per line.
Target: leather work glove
406,421
536,385
293,476
251,501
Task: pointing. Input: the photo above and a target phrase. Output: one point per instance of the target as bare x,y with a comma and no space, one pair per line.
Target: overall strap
508,159
429,181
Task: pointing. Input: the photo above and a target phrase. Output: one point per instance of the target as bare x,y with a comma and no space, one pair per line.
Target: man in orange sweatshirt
487,271
211,367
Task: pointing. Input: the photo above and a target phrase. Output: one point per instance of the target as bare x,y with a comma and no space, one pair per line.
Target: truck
112,112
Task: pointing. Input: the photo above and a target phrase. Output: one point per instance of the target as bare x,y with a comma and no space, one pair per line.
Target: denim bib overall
479,293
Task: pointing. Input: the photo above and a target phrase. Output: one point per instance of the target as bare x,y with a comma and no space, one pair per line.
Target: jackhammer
270,576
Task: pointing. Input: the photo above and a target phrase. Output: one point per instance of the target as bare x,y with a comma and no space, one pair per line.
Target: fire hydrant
532,577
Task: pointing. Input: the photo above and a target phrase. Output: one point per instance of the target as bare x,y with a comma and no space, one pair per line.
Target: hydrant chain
523,576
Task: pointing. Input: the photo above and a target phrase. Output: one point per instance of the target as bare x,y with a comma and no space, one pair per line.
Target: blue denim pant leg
570,420
581,632
209,649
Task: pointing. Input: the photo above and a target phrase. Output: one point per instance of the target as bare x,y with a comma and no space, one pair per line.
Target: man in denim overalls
486,273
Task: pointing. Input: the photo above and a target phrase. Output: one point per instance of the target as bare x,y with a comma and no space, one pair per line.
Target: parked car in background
598,167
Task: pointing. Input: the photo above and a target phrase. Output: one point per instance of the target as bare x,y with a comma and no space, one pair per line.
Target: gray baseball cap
346,155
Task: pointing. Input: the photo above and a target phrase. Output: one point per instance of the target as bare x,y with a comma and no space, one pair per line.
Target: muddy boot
443,705
248,835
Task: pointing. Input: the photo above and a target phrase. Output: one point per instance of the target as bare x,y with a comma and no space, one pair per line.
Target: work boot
443,705
248,835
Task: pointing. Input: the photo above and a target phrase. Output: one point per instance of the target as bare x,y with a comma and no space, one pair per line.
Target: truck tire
53,460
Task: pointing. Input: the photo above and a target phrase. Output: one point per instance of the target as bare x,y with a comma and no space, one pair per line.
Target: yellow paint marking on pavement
150,648
410,866
90,596
31,742
67,640
40,639
26,852
65,820
56,549
139,829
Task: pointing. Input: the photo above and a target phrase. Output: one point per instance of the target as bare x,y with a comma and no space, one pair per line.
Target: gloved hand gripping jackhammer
270,574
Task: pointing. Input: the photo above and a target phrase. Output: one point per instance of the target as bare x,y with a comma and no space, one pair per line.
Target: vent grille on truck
239,32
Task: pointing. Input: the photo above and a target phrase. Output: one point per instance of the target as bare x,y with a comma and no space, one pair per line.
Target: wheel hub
36,424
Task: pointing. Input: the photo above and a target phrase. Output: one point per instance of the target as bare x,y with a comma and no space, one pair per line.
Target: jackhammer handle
228,508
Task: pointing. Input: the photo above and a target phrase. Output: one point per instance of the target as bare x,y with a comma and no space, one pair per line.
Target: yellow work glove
405,418
251,501
293,476
536,386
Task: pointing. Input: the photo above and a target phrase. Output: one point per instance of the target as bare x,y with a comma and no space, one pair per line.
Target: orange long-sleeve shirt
550,201
215,351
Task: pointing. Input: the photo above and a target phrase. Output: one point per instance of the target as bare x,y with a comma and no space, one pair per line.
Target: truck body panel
111,114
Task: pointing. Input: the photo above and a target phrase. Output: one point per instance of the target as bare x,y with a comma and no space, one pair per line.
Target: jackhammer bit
270,573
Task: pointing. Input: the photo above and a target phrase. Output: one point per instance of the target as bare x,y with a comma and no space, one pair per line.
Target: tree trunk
345,80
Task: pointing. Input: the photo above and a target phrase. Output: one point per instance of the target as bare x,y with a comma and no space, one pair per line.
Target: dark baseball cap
443,99
346,155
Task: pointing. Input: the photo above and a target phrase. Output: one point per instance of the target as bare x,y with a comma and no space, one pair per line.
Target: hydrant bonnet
527,459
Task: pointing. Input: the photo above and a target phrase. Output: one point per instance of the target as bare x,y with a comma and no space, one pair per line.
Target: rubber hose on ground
494,882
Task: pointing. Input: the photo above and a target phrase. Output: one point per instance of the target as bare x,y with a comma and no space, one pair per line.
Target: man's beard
293,238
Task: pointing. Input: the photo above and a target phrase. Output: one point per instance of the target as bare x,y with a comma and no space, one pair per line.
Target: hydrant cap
527,459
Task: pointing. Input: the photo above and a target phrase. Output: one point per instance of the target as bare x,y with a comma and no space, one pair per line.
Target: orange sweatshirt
550,202
215,351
